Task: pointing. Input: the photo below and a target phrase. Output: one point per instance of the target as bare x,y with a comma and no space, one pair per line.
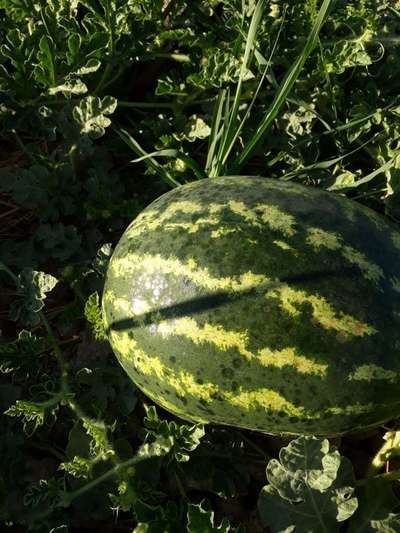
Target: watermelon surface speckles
260,304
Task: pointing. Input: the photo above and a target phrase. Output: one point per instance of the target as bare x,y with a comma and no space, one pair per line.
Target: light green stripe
264,398
370,270
154,264
167,219
224,339
372,373
293,300
318,238
184,383
355,409
151,220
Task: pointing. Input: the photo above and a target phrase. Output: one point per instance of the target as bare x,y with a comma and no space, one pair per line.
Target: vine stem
5,269
180,486
388,476
392,442
69,497
65,393
105,77
260,451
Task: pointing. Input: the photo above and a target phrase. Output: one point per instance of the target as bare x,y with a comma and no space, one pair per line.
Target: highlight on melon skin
259,304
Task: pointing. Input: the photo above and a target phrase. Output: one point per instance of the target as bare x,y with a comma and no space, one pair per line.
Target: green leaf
91,113
178,155
32,287
183,438
148,513
219,465
62,241
22,352
348,54
31,413
310,488
103,256
94,316
98,431
79,467
231,127
92,65
377,503
72,87
59,529
74,44
390,524
196,128
46,73
46,491
201,520
28,186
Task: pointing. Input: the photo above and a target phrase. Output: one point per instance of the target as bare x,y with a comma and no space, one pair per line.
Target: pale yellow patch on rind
355,409
267,399
276,219
370,270
135,306
373,372
166,219
248,214
173,408
150,220
284,246
290,299
215,209
319,238
107,298
224,339
213,334
322,312
192,227
123,305
107,301
184,383
268,214
222,231
290,358
130,352
156,264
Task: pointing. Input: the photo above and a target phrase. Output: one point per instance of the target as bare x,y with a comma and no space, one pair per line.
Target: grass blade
285,88
253,100
230,126
383,168
176,154
149,161
216,132
323,165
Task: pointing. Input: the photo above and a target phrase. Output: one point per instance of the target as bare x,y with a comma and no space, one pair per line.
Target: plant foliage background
85,87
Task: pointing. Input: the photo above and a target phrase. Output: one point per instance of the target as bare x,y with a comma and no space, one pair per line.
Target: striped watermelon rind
260,304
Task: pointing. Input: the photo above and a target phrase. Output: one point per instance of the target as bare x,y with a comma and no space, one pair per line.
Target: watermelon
260,304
